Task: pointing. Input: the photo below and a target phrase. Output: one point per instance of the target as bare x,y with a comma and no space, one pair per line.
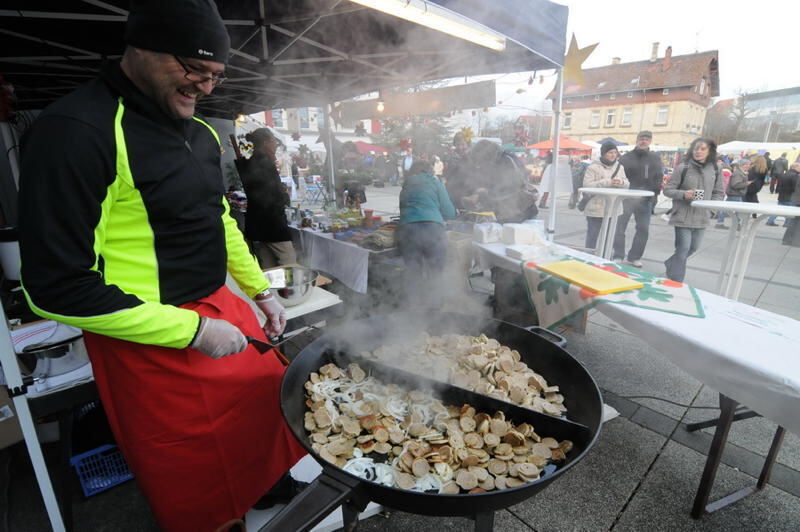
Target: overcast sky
757,40
758,43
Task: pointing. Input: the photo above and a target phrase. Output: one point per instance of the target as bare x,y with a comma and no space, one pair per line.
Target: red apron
205,438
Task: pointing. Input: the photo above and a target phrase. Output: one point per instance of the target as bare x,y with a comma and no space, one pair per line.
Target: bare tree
742,109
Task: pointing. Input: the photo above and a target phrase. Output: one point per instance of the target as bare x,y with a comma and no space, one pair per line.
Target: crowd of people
702,174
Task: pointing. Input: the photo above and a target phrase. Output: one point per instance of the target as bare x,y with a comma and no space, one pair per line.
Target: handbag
586,197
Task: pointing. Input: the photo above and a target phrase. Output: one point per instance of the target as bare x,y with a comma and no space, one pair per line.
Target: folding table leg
701,504
484,522
766,471
727,410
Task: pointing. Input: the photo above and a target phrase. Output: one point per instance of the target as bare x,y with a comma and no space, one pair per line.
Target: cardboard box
10,431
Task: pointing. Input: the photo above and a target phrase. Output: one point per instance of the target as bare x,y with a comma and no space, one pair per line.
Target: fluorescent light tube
440,19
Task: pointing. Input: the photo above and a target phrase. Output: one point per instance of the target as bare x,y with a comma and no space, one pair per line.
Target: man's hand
218,338
275,313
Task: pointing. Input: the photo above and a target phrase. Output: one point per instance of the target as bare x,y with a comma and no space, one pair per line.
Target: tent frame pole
551,221
329,147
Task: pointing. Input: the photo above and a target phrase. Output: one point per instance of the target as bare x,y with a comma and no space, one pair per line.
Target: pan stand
727,416
350,512
484,522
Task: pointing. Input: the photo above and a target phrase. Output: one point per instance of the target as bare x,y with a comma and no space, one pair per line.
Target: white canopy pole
329,147
8,359
551,222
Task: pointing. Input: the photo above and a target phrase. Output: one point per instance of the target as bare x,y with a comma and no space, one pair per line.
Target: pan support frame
728,415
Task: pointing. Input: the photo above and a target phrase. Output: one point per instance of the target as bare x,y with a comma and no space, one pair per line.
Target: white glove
274,311
218,338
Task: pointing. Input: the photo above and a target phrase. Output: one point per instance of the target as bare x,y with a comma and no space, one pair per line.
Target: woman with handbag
696,177
607,172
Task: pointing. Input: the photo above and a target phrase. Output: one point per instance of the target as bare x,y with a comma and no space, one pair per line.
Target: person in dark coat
500,184
792,235
644,171
756,176
265,223
786,189
779,167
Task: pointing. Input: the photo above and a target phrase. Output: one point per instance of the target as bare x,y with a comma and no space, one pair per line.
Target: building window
302,114
277,117
612,97
665,92
627,114
630,95
611,115
595,121
661,115
597,98
567,120
702,86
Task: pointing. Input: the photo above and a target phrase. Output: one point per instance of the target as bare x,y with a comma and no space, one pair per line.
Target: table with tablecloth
749,355
746,353
344,261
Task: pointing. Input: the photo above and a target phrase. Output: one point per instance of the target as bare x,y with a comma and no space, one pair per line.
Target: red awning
564,144
366,147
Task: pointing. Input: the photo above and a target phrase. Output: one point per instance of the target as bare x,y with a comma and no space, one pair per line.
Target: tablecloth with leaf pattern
557,300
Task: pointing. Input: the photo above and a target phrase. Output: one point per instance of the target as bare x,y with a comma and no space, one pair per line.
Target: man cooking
124,233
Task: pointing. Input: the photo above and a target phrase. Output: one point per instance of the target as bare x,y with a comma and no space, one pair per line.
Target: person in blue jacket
424,207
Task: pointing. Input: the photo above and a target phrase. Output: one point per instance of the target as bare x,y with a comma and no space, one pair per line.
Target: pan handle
548,335
313,504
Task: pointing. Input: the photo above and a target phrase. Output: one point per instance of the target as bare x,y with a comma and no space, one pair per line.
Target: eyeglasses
195,76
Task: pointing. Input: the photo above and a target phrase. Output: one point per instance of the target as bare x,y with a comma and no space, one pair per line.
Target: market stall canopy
565,145
284,54
366,147
775,149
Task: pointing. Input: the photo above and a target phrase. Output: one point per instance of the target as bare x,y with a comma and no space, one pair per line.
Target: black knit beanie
606,147
186,28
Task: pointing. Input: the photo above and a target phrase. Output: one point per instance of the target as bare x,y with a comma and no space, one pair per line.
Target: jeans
722,214
641,209
771,219
687,240
423,246
593,224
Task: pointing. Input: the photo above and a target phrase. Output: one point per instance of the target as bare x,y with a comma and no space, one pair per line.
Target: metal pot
39,359
542,351
292,285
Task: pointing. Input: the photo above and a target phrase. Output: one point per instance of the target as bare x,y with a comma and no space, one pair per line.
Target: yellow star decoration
574,59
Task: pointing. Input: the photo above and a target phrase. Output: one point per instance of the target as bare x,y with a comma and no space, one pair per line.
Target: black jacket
267,200
122,217
755,186
779,167
788,185
643,169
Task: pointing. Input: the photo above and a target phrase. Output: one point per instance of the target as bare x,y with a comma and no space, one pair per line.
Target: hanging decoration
574,59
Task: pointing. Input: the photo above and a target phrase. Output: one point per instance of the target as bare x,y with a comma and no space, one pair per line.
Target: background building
667,95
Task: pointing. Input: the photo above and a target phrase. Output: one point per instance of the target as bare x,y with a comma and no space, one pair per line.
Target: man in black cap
125,234
645,172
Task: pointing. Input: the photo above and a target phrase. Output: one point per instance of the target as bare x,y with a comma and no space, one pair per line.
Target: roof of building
681,71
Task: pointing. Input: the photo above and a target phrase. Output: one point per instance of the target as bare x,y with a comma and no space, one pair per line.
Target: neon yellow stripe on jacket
242,266
126,242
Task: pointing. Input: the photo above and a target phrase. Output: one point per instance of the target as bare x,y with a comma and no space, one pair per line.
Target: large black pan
336,487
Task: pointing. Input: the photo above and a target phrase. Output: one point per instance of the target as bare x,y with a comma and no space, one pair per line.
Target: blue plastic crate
100,469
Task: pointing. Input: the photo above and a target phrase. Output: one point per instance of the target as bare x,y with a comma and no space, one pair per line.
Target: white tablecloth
749,354
344,261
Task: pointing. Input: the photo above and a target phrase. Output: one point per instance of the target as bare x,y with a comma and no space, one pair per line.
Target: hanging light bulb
380,107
